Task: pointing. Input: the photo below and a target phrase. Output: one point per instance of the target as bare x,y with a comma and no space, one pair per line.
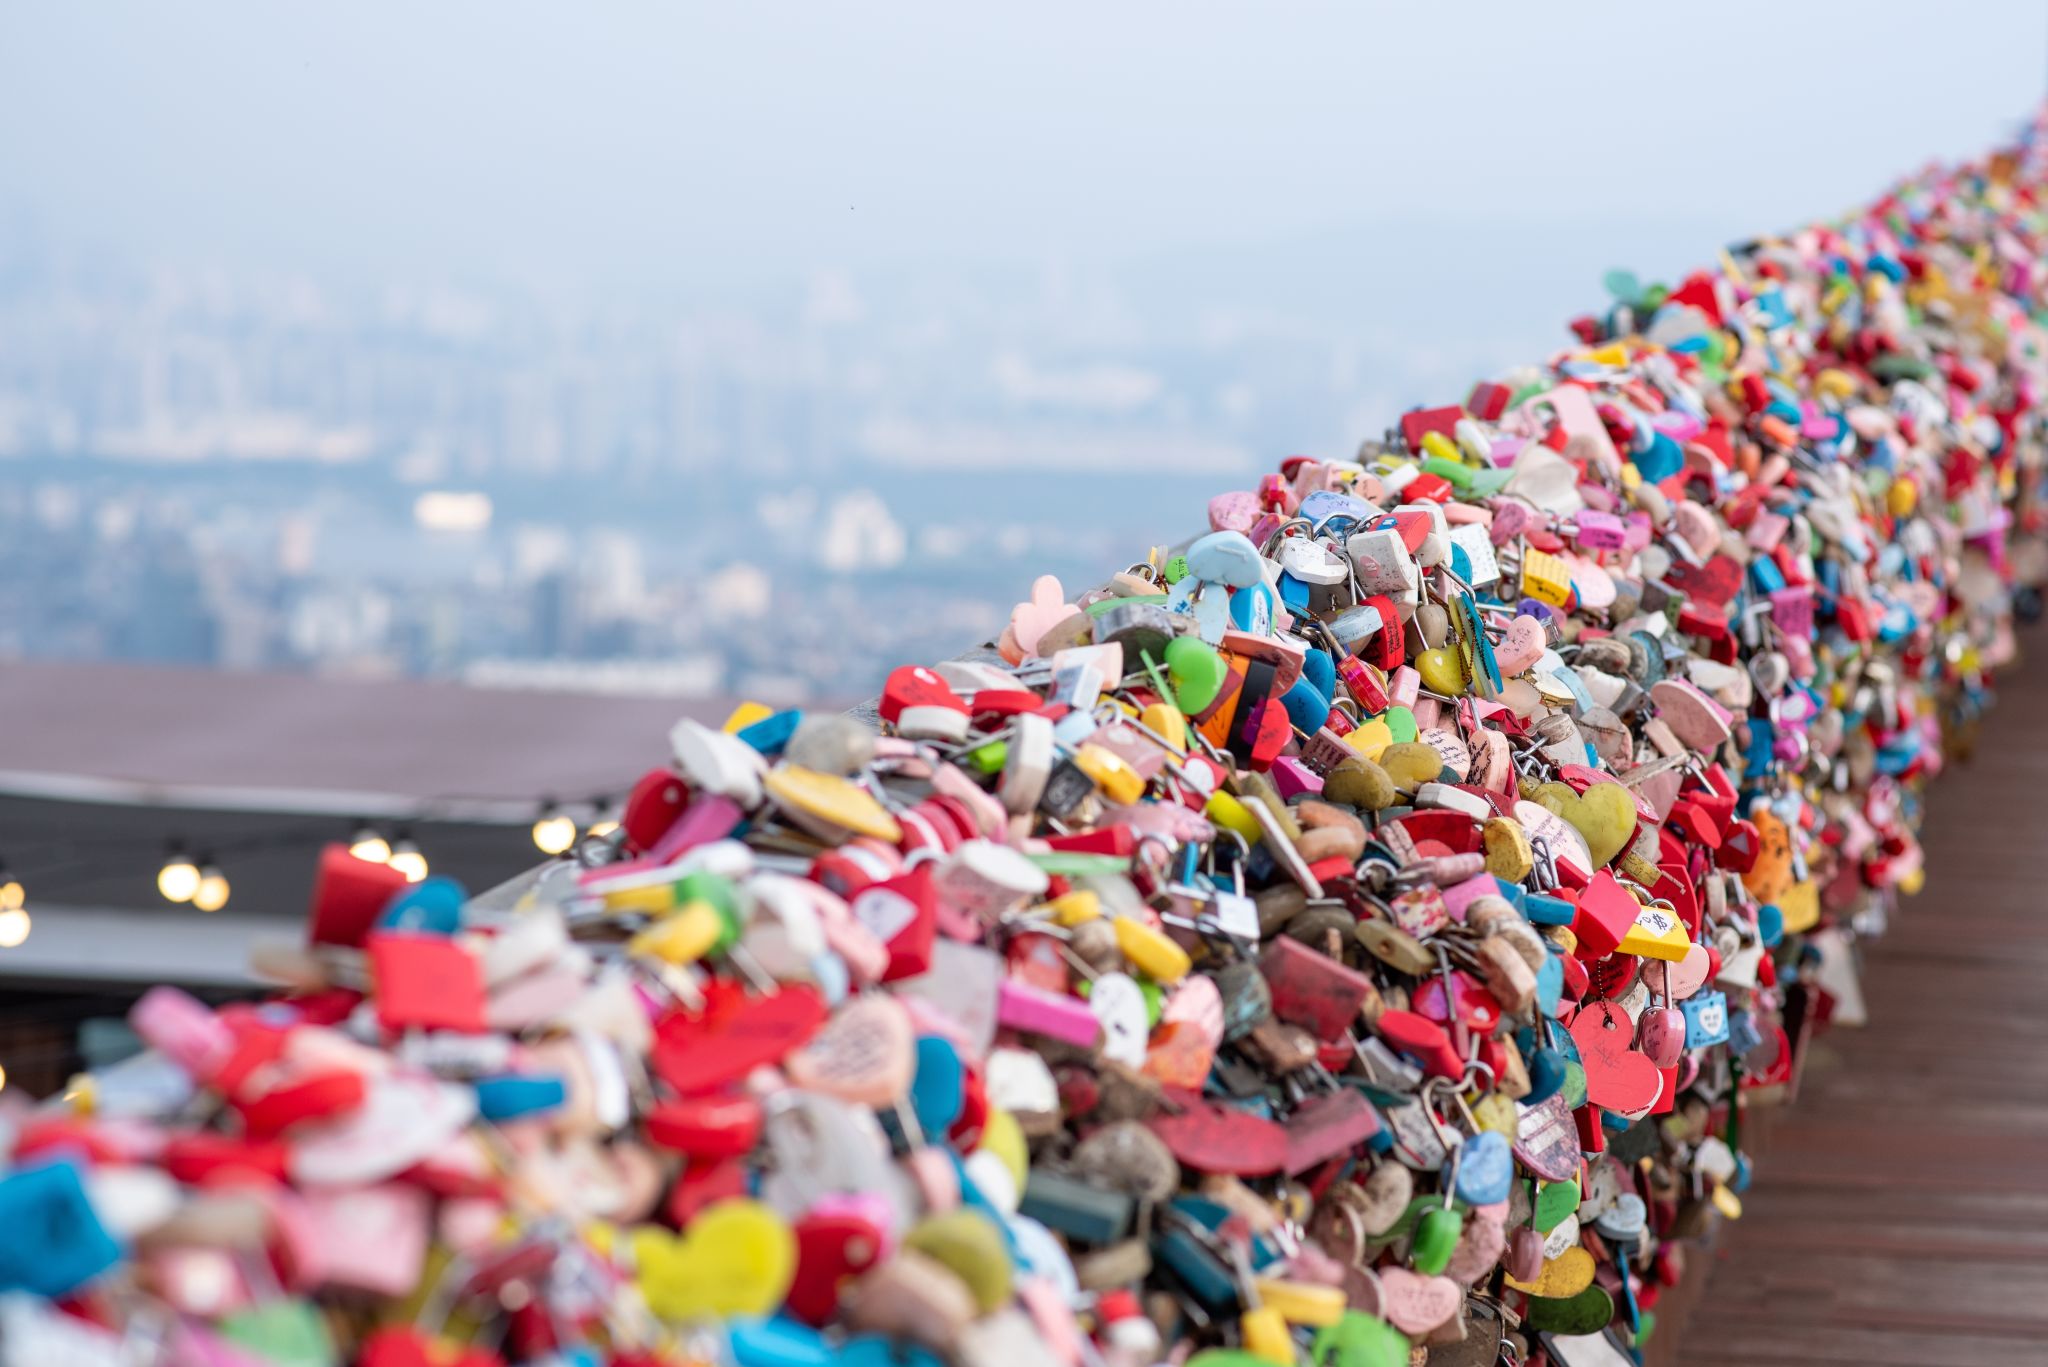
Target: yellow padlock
1265,1336
1119,782
1223,809
1070,909
682,938
1167,723
1302,1302
1546,578
1156,956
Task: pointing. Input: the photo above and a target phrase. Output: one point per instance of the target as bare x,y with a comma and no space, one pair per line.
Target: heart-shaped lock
1415,1303
1525,1255
865,1054
736,1258
733,1034
1029,621
1618,1078
1562,1277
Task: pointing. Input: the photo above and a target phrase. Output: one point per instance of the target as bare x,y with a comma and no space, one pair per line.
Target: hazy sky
693,139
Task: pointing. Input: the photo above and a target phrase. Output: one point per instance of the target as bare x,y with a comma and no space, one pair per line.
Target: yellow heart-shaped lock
1562,1277
736,1258
828,805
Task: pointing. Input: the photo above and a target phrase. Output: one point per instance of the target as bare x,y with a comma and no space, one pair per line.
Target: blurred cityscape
779,495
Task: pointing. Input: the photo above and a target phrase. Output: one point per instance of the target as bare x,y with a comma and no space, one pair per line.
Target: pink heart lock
1416,1304
1675,981
1661,1035
1029,621
1521,646
1236,511
1696,719
864,1054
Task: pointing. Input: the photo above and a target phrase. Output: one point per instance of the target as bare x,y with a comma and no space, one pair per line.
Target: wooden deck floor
1899,1216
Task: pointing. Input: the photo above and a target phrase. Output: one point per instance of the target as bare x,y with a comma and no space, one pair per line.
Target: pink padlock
1661,1035
1404,686
1020,1006
1600,531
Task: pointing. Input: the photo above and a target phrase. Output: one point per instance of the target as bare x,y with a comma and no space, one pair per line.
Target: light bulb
407,859
553,832
3,1079
367,844
11,894
212,892
14,927
178,879
602,828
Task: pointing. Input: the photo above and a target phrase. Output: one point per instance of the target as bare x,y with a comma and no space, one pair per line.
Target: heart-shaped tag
734,1034
1554,1202
1585,1313
1679,979
1485,1166
1618,1078
1029,621
1693,717
1236,511
1480,1246
1210,1137
1520,646
1361,1340
1547,1142
865,1054
736,1258
1417,1304
1562,1277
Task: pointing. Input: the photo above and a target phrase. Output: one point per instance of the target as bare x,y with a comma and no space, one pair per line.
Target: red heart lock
316,1096
1618,1077
903,913
910,686
705,1128
1710,586
701,1051
1210,1137
831,1249
654,805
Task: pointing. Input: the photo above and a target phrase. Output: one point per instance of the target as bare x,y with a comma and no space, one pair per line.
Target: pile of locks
1354,940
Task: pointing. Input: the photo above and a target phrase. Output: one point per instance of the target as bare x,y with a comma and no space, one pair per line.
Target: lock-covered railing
1362,936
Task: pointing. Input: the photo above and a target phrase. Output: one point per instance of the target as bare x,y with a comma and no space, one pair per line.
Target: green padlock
1586,1313
283,1333
1554,1201
1360,1340
1436,1238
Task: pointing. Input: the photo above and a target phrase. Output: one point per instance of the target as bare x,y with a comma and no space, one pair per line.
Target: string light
607,821
14,927
3,1079
553,831
407,858
367,844
178,879
11,895
212,892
